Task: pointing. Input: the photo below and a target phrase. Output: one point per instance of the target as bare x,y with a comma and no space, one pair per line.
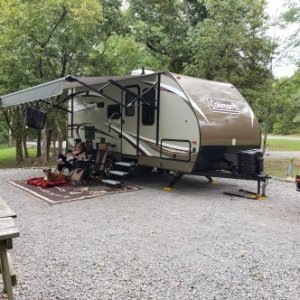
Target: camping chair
85,171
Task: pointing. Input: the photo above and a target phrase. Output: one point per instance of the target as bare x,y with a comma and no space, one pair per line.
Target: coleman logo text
225,106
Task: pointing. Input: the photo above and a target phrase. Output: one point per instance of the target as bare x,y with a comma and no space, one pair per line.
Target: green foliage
3,132
217,40
163,26
230,45
119,55
291,18
52,38
44,40
293,12
286,105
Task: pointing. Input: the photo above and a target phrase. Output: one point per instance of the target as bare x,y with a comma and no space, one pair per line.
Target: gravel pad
192,243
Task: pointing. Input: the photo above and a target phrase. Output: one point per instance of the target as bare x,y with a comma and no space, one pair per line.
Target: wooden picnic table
8,231
5,210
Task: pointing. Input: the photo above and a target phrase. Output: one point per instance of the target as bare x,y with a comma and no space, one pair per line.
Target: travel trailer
160,120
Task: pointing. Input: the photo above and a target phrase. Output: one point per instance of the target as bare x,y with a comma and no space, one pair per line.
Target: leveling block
169,188
211,181
247,194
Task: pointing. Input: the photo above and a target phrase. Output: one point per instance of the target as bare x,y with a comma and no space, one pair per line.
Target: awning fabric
53,88
46,90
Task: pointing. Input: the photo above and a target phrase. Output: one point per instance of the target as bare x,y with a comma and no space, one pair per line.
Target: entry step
111,182
123,164
118,173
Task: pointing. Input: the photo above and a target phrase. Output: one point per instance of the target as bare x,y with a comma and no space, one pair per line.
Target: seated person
69,155
80,151
68,160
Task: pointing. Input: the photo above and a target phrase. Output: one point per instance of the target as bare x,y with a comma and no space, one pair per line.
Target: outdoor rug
67,193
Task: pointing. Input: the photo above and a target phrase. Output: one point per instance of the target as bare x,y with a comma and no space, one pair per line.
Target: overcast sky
281,66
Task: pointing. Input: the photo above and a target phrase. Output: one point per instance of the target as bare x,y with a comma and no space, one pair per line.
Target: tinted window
148,107
129,111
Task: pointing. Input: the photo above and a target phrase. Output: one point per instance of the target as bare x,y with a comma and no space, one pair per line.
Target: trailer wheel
108,166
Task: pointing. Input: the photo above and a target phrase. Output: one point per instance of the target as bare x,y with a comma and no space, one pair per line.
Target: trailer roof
56,87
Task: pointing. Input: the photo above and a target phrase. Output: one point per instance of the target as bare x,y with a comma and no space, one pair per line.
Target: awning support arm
63,100
146,91
137,97
115,83
100,92
56,106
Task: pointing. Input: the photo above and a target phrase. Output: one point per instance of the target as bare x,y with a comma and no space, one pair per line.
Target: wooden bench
8,231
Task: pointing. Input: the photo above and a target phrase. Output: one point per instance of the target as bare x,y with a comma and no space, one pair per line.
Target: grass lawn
8,158
282,145
10,153
278,167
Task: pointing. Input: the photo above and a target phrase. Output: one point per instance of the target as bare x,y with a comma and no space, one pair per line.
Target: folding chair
91,170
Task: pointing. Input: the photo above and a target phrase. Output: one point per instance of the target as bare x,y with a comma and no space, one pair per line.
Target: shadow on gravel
188,184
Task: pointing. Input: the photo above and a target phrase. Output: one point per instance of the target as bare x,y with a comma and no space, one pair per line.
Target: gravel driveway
193,243
282,154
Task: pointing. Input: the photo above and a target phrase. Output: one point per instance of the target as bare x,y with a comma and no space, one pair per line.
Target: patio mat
67,193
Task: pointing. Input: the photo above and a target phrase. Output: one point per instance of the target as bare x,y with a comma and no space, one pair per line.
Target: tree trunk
26,154
18,133
11,139
265,140
187,13
267,124
44,146
54,137
60,136
60,145
39,143
48,142
19,152
269,107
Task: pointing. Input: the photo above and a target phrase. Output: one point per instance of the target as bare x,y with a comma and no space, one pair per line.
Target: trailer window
113,111
129,111
148,107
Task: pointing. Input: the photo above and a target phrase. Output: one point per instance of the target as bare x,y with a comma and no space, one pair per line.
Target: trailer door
148,131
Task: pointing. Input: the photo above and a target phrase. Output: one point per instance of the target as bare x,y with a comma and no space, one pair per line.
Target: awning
54,88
